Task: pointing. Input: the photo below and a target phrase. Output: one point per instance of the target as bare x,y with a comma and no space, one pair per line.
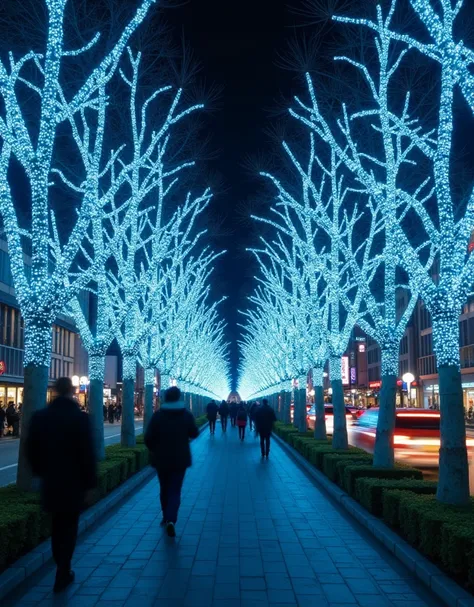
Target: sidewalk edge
29,564
431,576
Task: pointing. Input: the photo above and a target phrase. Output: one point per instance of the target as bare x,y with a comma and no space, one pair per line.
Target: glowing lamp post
408,378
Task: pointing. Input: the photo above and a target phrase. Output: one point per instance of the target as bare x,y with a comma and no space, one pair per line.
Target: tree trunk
96,402
287,408
34,399
128,407
453,484
37,360
149,387
300,414
339,438
383,451
320,421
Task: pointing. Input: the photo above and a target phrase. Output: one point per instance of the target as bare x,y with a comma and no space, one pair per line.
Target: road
9,450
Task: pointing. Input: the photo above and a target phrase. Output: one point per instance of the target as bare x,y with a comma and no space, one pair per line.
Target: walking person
13,419
211,411
3,415
224,414
264,419
60,451
242,421
253,414
167,438
233,413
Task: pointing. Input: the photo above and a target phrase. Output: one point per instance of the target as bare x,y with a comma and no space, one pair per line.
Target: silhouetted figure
61,452
242,421
118,412
111,413
3,415
264,419
224,413
13,419
167,438
234,407
212,410
252,414
104,410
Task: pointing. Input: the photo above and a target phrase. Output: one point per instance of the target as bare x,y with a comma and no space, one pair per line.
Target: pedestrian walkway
251,533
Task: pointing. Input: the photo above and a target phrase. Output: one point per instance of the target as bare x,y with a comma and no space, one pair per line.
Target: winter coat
241,417
224,410
12,415
264,420
233,410
212,410
60,450
167,437
253,411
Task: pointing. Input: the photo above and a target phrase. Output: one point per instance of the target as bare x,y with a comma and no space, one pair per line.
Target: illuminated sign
361,347
353,375
345,370
3,367
375,384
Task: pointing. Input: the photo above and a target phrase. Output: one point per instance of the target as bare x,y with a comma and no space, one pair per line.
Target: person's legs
175,483
63,542
267,444
262,444
163,478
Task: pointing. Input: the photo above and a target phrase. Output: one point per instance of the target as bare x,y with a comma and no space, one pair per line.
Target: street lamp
75,380
408,378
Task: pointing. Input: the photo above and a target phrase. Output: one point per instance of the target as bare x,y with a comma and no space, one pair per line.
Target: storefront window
11,395
3,400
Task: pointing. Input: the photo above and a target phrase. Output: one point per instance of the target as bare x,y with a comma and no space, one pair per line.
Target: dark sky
236,44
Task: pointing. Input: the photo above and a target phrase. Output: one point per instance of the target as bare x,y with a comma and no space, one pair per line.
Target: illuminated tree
428,195
43,295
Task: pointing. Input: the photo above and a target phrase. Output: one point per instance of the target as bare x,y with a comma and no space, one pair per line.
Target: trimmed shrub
320,450
369,491
457,549
352,473
331,461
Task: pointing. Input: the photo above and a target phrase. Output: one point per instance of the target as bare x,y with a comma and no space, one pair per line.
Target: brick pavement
251,533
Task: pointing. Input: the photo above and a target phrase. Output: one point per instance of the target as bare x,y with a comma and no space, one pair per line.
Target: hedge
370,491
353,472
331,462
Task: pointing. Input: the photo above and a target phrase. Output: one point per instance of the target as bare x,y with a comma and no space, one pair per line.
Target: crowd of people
112,412
260,417
10,420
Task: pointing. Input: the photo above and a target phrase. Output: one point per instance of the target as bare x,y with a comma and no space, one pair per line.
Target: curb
431,576
29,564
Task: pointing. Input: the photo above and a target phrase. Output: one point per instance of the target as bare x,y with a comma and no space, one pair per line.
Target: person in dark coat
3,415
13,419
212,410
60,451
224,414
242,421
167,438
233,413
111,413
264,419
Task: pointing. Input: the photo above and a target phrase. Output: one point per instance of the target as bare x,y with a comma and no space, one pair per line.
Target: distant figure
118,412
264,419
111,413
252,413
3,415
211,411
242,421
13,419
224,413
233,408
167,438
60,451
104,410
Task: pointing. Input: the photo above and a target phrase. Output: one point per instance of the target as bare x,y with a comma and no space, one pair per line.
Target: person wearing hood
167,438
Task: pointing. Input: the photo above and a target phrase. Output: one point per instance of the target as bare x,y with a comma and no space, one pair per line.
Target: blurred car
356,411
416,439
329,417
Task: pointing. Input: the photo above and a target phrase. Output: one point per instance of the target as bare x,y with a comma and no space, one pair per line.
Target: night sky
237,45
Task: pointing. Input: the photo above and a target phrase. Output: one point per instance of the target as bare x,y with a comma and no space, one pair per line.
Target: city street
9,450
